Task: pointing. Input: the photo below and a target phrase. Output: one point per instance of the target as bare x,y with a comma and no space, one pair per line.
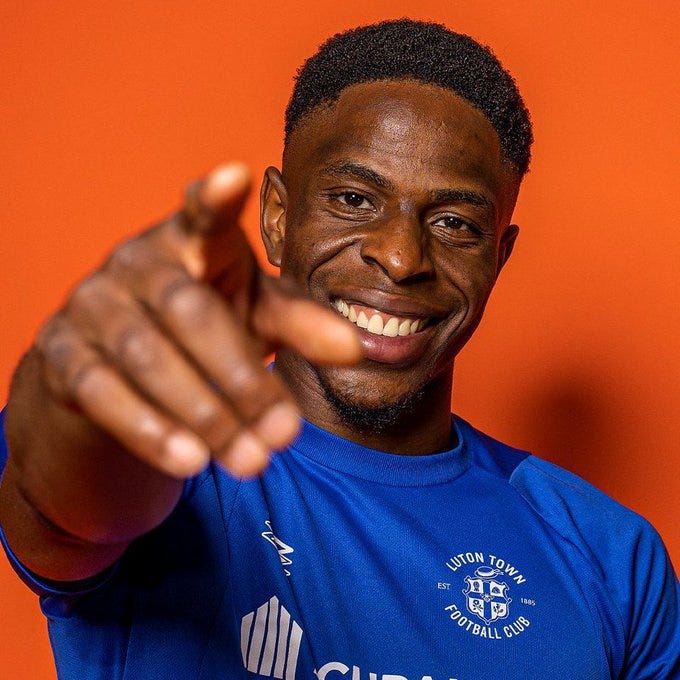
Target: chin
369,405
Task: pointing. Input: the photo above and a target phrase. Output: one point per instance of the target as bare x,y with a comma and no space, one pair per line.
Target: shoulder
576,508
628,556
621,548
578,511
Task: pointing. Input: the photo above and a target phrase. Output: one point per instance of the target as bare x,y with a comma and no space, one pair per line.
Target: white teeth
405,328
341,306
391,328
375,325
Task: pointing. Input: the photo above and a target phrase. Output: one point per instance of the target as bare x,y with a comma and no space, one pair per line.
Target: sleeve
651,611
630,562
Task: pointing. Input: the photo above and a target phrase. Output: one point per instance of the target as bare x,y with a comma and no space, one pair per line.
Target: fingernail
279,425
246,456
224,176
185,454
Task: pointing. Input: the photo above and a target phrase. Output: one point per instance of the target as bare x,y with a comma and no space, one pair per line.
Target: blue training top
346,563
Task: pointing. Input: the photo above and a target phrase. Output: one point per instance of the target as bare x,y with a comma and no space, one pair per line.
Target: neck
418,424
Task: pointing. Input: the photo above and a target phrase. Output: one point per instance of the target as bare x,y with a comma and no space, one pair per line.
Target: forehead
405,128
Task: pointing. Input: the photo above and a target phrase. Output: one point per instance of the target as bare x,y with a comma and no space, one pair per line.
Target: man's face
395,209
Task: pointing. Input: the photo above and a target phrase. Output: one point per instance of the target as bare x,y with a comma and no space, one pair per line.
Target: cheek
293,260
318,248
307,249
470,272
484,278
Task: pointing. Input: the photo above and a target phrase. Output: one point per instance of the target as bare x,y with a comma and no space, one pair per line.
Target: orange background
107,109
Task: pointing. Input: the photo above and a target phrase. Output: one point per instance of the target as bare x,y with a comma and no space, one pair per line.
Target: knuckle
53,338
212,423
129,255
135,348
57,349
87,383
206,416
67,362
253,392
188,302
88,293
162,280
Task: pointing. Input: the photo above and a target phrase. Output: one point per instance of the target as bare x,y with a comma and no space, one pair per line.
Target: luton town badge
486,596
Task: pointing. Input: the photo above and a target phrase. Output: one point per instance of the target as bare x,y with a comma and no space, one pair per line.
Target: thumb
287,319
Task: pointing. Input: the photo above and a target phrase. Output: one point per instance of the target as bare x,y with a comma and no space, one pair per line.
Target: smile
377,322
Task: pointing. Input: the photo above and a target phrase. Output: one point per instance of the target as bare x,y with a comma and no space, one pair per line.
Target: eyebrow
463,196
358,171
362,172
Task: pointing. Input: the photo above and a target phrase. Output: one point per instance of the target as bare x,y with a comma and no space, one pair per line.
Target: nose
399,246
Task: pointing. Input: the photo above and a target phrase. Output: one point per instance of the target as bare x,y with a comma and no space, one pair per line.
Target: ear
273,201
506,245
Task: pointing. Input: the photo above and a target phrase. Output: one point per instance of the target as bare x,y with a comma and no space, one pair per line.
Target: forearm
71,498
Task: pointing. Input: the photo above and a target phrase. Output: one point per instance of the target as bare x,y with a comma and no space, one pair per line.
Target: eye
353,199
453,222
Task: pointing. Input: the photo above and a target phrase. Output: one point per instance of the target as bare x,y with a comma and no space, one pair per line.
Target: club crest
486,596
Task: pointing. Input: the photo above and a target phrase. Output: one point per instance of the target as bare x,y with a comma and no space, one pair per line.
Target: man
389,540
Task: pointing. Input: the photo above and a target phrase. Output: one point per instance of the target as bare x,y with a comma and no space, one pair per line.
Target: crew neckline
342,455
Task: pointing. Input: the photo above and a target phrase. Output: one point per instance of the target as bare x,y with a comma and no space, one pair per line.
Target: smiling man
402,200
388,539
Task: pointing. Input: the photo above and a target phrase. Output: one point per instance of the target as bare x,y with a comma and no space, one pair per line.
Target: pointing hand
162,347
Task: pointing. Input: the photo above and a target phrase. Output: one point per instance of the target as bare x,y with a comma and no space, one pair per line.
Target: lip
399,350
395,305
392,350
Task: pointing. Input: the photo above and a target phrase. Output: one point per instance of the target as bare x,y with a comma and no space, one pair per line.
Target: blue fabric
340,562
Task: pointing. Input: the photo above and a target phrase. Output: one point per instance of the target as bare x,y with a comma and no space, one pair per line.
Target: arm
153,365
650,610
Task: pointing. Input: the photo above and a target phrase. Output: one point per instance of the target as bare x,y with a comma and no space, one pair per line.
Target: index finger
217,200
204,235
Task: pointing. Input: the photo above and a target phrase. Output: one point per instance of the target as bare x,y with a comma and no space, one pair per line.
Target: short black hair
428,52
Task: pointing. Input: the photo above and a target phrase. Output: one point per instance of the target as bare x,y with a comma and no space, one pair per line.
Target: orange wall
107,109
